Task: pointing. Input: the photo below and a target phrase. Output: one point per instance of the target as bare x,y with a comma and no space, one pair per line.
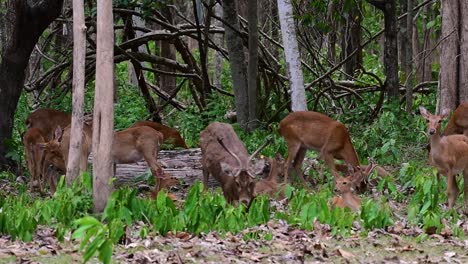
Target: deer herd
225,157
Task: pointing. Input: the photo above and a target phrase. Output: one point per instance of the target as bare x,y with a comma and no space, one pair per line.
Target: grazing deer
269,185
130,145
449,154
311,130
34,156
46,120
225,157
171,135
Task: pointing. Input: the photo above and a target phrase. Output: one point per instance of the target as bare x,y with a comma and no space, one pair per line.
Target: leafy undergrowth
204,227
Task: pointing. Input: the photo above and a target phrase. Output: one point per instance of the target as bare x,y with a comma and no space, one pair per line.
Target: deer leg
300,155
292,151
206,175
330,161
452,189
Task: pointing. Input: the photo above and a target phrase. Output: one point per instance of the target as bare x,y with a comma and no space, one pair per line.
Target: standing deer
311,130
34,156
449,154
171,135
458,123
225,157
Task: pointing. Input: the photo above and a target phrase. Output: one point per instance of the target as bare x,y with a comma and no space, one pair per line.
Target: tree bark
449,59
402,36
353,36
79,54
291,54
463,81
409,57
103,121
388,7
167,82
218,57
25,25
237,61
253,121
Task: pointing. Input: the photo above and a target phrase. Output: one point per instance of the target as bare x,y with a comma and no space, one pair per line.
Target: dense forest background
186,63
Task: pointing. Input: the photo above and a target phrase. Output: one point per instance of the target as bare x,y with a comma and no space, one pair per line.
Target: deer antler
266,143
370,167
232,154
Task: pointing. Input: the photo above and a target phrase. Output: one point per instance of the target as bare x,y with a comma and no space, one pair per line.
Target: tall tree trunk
79,54
237,61
402,36
388,7
291,54
25,25
103,122
409,57
138,22
168,82
218,57
463,86
253,65
331,36
353,36
449,51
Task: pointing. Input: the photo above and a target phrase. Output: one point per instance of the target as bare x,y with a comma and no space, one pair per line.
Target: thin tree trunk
353,37
449,51
388,7
291,54
402,36
463,83
25,24
253,65
409,57
167,82
103,122
237,61
218,57
79,54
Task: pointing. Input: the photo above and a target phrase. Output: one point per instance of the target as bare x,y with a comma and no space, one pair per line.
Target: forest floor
274,242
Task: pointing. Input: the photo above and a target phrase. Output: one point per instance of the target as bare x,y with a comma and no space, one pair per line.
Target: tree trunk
237,61
449,51
25,25
291,54
463,86
253,121
218,57
103,122
168,82
391,45
353,36
409,57
138,22
79,54
402,36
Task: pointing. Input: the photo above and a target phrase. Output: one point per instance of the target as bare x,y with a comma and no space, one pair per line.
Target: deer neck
349,197
435,139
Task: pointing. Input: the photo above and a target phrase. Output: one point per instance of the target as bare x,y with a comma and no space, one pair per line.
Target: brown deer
130,145
458,123
34,156
449,154
171,135
269,185
225,157
305,130
46,120
344,187
58,147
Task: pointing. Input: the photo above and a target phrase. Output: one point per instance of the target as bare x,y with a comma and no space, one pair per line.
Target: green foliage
376,215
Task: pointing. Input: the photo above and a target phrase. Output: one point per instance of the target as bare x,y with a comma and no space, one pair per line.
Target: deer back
212,151
46,120
314,130
171,135
458,123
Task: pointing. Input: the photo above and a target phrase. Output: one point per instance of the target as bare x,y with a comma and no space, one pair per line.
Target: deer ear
227,169
423,111
58,133
445,113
